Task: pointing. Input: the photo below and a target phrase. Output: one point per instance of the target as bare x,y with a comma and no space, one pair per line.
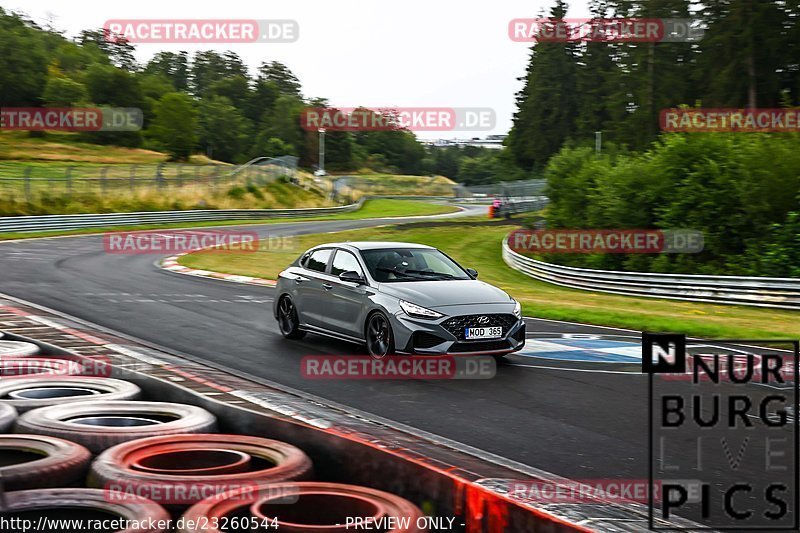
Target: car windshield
420,264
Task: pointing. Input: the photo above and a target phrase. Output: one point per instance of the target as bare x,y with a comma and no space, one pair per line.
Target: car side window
318,260
344,261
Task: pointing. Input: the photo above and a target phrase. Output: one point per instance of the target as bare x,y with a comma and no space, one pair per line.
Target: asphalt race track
573,406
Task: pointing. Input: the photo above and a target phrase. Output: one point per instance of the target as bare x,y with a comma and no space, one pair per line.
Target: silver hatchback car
396,297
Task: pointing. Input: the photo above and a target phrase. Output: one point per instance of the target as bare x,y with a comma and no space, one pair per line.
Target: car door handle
327,286
299,279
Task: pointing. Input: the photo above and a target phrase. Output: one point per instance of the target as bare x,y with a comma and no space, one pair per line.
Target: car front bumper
444,336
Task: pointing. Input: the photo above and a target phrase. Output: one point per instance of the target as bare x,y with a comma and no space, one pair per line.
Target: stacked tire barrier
99,425
7,416
209,462
316,508
91,448
39,461
26,393
17,349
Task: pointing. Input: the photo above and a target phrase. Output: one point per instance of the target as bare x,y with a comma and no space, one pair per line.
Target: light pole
321,151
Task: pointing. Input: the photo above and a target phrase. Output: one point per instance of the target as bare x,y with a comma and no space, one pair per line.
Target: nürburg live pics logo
723,433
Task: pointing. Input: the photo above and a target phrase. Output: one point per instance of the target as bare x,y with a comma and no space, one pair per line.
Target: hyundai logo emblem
483,320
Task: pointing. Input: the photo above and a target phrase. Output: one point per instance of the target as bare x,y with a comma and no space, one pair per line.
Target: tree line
742,190
207,102
749,56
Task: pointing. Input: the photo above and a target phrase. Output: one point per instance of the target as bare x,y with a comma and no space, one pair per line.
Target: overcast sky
414,53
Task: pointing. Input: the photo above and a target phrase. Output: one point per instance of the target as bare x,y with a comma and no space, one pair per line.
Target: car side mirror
472,273
351,276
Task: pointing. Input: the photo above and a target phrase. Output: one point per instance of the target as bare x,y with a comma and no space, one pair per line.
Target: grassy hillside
60,148
58,174
391,184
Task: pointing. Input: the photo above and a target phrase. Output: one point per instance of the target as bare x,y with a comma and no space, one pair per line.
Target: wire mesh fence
508,189
30,182
349,188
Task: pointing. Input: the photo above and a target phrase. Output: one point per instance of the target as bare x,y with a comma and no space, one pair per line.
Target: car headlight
417,311
517,309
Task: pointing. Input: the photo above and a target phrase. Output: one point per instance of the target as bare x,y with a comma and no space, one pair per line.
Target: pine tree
545,116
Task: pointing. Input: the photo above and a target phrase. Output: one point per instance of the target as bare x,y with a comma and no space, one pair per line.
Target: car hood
447,292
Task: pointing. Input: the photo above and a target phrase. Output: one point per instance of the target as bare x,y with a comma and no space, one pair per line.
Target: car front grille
458,324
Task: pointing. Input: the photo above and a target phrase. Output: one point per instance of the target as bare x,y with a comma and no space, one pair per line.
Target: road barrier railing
67,222
735,290
527,204
85,221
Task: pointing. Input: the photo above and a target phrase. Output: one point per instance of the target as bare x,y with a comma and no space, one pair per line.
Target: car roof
374,245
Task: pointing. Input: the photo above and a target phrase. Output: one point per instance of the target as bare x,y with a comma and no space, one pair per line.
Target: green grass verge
478,246
372,209
390,207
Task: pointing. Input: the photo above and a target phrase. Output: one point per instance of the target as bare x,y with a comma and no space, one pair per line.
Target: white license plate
484,333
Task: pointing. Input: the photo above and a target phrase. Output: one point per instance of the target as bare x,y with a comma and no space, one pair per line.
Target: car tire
32,393
147,515
165,464
7,417
161,418
288,321
379,336
59,462
18,349
301,500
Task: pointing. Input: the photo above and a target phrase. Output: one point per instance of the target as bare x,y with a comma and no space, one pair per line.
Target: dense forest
742,190
208,103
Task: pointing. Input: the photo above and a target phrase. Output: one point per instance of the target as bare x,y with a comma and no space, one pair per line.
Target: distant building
493,142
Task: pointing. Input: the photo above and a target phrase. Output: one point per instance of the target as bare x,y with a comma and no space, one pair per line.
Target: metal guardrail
66,222
514,206
535,187
736,290
82,221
